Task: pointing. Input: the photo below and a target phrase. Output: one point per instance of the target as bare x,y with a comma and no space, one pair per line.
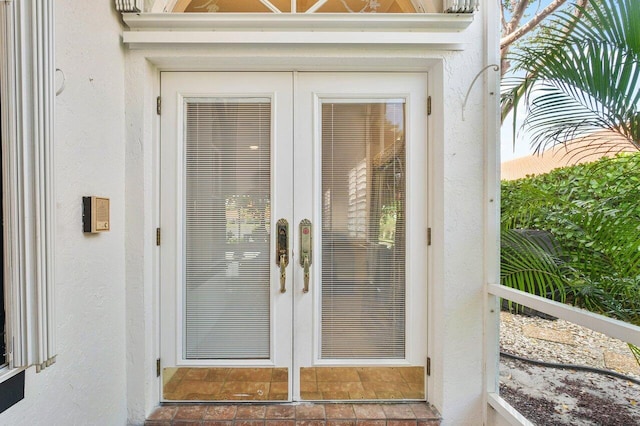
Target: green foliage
542,202
635,351
528,264
580,76
592,215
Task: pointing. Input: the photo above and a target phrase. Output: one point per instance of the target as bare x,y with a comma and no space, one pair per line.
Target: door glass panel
228,187
363,230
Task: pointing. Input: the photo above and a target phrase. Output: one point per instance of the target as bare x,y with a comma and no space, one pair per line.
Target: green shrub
592,212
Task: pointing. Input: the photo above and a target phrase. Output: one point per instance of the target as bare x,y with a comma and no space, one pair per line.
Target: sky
522,147
523,143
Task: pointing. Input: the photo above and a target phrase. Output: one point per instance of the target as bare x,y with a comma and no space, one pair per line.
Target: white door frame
177,87
413,66
310,90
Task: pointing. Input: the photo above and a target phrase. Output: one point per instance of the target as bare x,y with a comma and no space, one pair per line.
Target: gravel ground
565,342
550,396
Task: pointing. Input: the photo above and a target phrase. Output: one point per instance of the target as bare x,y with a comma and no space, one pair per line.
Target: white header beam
436,31
144,39
362,22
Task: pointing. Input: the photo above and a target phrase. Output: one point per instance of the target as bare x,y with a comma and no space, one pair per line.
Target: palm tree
581,75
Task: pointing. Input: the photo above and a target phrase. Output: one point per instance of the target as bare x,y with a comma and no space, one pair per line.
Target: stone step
296,414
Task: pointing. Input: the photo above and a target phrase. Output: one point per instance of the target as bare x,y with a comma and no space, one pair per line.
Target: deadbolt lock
282,251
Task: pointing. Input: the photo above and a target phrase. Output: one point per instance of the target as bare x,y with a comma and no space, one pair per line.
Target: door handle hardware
282,251
306,250
283,274
306,274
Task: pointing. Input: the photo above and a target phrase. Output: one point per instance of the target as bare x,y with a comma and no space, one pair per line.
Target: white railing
611,327
506,410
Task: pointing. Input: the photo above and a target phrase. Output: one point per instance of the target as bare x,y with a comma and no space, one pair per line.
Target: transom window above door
301,6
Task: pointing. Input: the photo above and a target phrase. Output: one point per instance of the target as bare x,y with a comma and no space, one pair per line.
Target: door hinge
428,366
157,236
158,367
158,105
428,105
428,236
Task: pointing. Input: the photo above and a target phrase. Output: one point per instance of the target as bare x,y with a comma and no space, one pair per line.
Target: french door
293,254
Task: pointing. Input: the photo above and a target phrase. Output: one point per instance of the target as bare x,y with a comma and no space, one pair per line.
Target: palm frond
607,241
581,76
635,351
528,263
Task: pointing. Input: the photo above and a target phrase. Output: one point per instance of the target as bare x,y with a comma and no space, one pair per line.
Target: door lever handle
305,264
306,250
283,274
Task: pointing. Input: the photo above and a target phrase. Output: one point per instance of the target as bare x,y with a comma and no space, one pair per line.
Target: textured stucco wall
87,383
457,290
141,214
463,260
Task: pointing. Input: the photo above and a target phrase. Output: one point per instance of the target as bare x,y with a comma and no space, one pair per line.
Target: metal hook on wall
466,98
64,82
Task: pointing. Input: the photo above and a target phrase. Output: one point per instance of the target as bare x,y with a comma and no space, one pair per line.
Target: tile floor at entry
354,383
305,414
316,384
226,384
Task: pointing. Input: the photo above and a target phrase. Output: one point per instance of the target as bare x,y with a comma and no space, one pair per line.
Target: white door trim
311,89
143,87
307,129
416,154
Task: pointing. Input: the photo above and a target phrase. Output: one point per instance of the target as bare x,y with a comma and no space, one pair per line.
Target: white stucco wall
87,383
141,212
456,303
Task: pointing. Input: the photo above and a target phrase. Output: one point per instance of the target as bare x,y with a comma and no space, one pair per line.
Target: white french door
323,173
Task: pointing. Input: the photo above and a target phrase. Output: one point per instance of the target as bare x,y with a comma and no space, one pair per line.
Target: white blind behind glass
227,309
363,230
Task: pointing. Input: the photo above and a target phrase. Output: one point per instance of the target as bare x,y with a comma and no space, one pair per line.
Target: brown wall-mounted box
95,214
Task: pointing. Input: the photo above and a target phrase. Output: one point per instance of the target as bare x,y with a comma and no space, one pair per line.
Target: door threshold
297,414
